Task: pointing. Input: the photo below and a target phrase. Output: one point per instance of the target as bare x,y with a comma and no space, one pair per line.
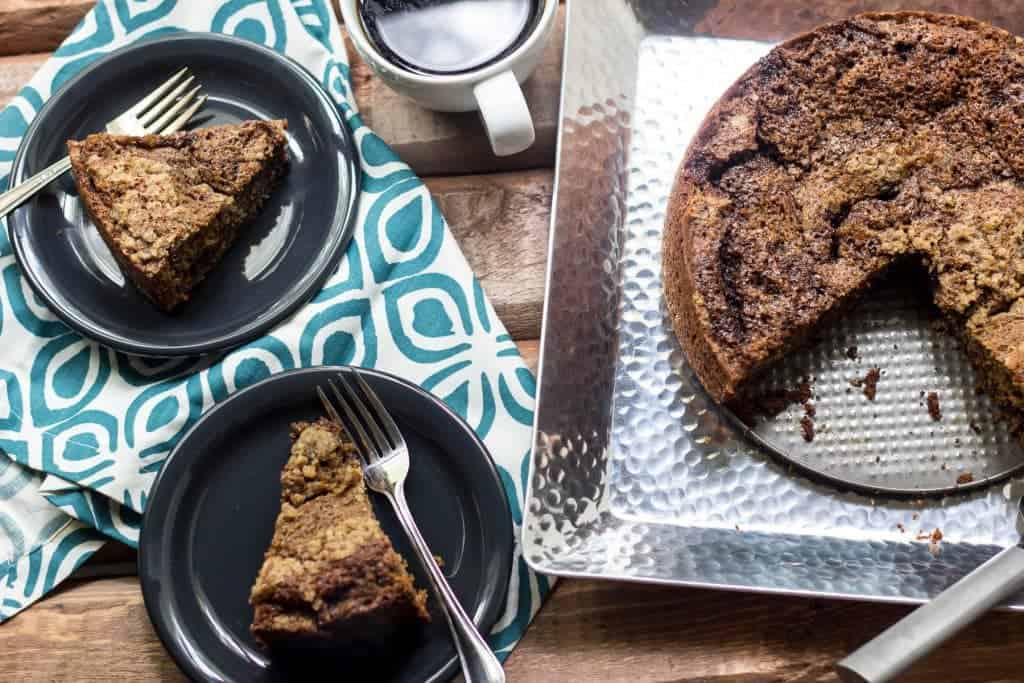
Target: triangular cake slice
330,574
169,206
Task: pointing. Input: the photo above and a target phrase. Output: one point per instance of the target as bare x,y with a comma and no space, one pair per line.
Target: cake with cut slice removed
330,575
169,206
883,138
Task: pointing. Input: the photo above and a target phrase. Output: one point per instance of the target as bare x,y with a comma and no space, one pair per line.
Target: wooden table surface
95,629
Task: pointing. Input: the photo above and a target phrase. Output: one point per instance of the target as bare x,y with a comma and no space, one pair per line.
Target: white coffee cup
493,89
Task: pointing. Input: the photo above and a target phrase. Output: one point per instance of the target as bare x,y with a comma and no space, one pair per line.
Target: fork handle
479,665
18,195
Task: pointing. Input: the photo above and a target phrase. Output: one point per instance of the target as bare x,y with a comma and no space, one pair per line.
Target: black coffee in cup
447,36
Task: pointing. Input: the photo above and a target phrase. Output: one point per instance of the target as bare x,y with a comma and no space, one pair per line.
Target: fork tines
170,105
366,419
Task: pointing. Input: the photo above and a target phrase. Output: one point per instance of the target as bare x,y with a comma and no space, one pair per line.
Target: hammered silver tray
635,473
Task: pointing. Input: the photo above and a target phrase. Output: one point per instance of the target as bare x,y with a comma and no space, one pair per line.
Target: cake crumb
803,391
869,383
933,406
915,516
807,428
935,543
809,409
965,478
902,528
974,427
773,403
851,353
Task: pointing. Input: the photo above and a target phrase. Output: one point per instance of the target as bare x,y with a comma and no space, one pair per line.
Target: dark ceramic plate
211,514
279,261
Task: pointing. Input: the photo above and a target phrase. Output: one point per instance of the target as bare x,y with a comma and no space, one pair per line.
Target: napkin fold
85,429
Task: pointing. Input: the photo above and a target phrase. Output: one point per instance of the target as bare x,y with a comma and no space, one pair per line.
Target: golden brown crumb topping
169,206
329,566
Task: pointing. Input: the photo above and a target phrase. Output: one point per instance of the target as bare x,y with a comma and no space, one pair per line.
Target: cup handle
505,114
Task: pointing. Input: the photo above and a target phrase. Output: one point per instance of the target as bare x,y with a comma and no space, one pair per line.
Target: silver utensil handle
479,665
924,629
17,196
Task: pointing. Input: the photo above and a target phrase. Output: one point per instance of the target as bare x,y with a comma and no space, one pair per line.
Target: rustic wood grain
16,72
589,631
629,633
501,223
38,25
85,631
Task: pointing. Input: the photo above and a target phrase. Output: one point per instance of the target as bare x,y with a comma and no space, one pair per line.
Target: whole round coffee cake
883,138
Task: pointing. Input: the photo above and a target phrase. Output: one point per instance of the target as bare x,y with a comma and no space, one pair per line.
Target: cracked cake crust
882,138
169,206
330,574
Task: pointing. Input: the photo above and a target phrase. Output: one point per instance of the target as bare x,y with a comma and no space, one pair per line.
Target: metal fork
165,110
385,459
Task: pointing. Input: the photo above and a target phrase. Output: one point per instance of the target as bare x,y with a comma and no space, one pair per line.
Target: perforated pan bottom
893,443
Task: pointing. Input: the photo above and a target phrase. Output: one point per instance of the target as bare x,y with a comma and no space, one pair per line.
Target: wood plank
589,631
628,633
86,631
501,222
38,25
17,71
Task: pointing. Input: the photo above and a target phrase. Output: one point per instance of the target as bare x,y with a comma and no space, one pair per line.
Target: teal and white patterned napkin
86,429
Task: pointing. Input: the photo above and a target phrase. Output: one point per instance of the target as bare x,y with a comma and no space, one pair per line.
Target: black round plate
211,513
280,260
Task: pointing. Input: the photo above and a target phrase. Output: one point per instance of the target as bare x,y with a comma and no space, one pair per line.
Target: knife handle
927,627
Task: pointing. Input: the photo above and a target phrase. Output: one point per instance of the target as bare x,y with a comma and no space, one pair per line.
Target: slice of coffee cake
169,206
330,574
